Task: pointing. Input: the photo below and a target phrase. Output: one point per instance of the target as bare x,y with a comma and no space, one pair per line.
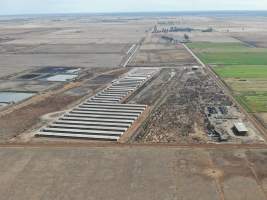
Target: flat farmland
249,84
11,64
236,58
229,53
254,38
242,71
162,56
254,102
263,118
218,37
82,42
157,52
128,173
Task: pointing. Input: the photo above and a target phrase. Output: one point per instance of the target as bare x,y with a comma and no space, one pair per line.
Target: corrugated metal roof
102,116
241,127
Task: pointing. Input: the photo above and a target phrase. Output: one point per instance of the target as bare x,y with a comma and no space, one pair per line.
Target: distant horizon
141,12
26,7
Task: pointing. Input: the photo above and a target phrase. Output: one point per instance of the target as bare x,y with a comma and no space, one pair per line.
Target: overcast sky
69,6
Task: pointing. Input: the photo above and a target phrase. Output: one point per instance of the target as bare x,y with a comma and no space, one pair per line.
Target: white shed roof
241,127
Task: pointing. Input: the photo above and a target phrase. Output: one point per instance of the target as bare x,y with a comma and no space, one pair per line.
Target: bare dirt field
127,173
160,53
61,42
263,118
218,37
28,116
257,39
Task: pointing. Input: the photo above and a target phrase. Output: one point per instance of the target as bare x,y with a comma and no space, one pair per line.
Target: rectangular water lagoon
14,97
62,77
3,104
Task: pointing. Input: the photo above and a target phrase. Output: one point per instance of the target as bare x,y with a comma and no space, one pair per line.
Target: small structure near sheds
195,68
240,128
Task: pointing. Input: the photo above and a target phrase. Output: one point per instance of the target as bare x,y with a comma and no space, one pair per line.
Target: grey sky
68,6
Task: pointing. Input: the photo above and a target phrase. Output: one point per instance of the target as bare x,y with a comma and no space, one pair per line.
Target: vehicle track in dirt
91,144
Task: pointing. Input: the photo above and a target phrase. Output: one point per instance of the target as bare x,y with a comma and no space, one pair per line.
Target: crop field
229,53
157,52
242,71
208,46
254,102
250,82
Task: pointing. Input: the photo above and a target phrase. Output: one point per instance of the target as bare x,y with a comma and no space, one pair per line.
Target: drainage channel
103,116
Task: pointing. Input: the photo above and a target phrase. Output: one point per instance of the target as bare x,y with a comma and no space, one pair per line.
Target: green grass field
224,47
242,71
253,102
234,58
229,53
218,46
242,66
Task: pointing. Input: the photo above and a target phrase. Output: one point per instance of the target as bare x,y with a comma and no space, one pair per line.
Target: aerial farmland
140,106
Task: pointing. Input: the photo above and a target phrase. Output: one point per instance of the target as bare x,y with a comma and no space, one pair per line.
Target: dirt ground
22,119
150,94
263,118
127,173
257,39
80,42
160,53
